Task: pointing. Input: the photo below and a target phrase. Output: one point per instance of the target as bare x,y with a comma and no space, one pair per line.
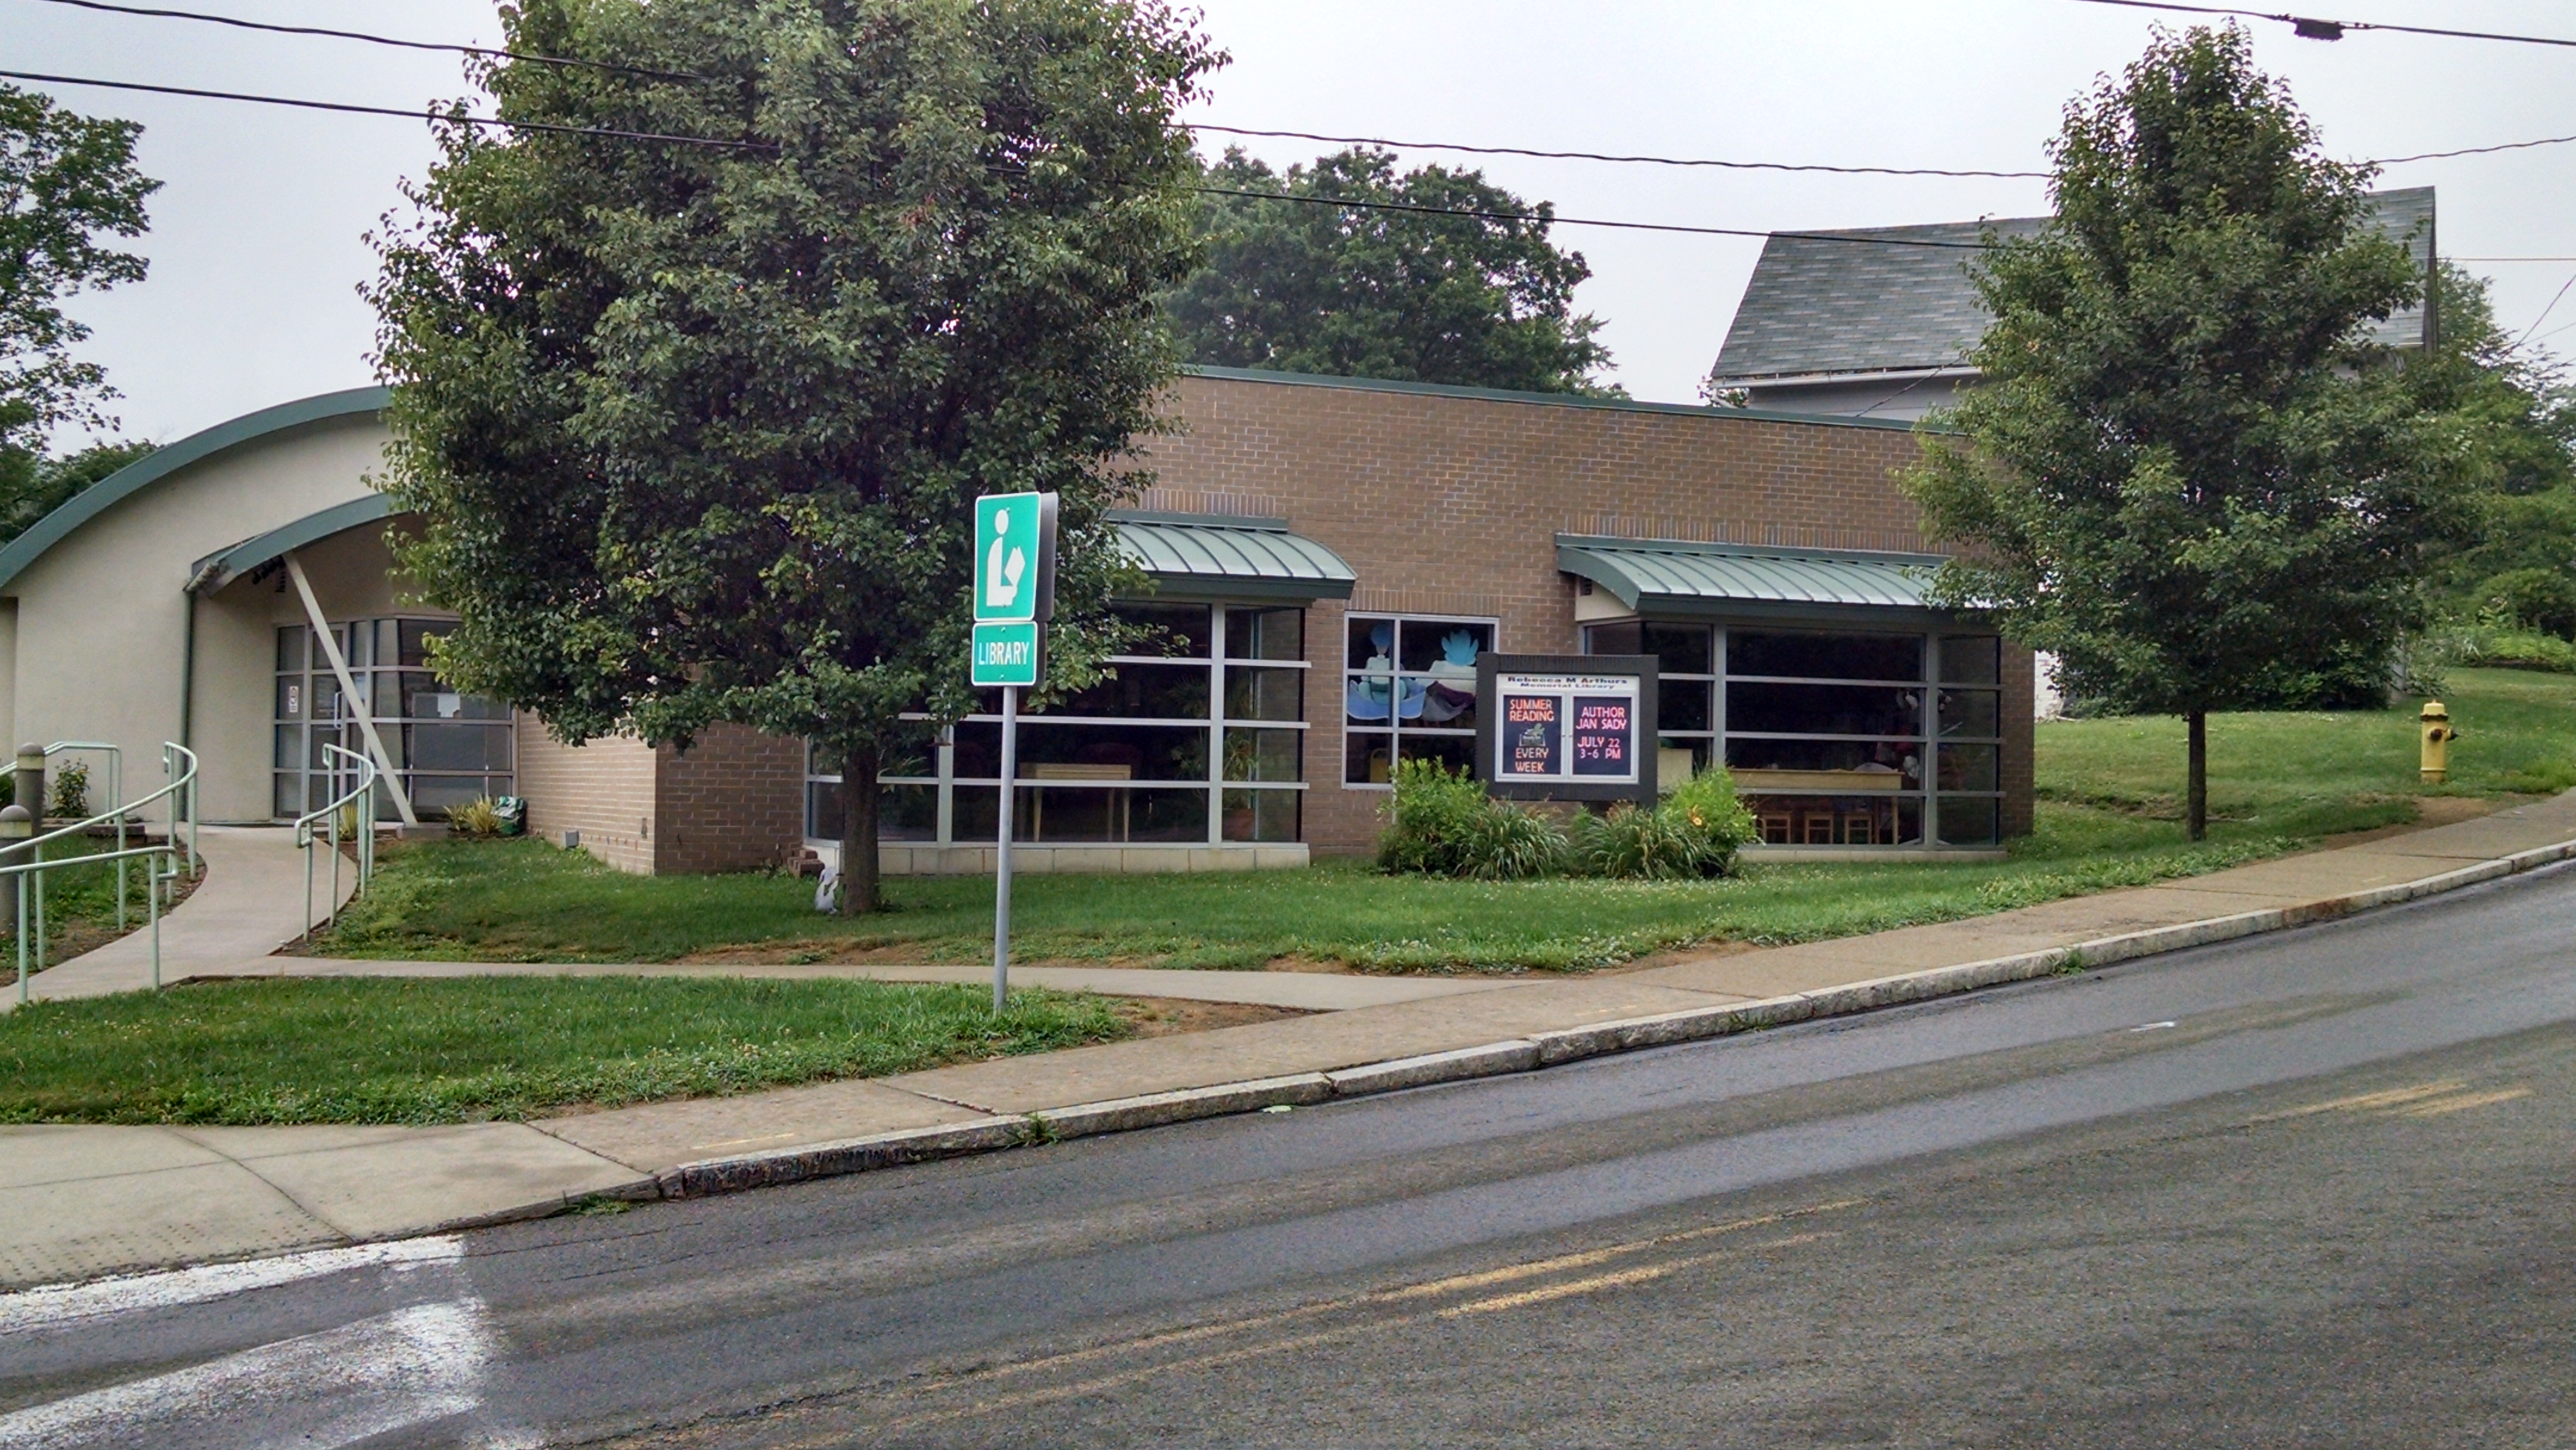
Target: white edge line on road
57,1304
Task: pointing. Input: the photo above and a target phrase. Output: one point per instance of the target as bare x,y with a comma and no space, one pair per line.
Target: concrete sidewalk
251,903
1302,991
99,1200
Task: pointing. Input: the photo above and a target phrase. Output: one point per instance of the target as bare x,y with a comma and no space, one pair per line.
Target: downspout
188,662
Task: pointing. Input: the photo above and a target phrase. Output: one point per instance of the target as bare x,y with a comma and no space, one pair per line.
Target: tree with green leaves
67,182
2524,550
2186,469
694,430
32,486
1465,289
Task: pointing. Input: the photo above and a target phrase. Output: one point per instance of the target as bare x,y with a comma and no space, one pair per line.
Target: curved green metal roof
216,570
1656,575
132,479
1219,556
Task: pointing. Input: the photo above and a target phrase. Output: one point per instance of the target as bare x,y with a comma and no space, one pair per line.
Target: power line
458,117
710,141
1574,221
2476,150
2554,300
718,143
371,39
1597,156
1458,146
1397,145
2316,29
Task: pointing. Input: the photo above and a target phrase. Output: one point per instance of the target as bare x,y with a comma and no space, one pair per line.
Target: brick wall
603,789
1444,504
1448,504
734,801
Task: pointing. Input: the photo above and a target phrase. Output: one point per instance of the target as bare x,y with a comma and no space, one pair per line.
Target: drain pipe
188,660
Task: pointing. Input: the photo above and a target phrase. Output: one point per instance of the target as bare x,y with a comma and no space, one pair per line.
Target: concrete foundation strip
1537,1050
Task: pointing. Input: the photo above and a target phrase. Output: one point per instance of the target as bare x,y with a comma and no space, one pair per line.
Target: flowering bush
1442,823
1692,832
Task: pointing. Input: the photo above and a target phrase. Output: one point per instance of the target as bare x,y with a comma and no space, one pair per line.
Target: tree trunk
2197,792
859,830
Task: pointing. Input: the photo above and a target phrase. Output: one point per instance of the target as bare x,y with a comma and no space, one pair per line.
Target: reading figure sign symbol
1002,575
1014,557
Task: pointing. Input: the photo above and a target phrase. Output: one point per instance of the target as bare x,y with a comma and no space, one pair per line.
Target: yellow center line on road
2440,1107
1431,1289
2423,1100
2365,1102
1572,1287
1102,1384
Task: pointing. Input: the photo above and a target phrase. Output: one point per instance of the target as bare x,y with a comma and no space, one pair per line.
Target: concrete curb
1548,1049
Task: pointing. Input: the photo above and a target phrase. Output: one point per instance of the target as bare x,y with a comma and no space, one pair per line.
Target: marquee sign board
1566,727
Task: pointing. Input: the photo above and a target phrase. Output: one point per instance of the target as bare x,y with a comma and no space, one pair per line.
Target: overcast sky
256,243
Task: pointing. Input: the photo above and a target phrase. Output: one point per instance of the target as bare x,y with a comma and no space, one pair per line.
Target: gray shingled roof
1822,305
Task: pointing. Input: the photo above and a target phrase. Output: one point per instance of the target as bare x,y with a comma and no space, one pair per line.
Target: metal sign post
1014,597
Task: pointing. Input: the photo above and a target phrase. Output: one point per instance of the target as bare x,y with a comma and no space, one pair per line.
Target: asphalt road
2316,1189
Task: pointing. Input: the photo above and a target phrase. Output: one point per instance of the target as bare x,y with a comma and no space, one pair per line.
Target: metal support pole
1002,848
329,639
16,825
39,874
155,870
331,908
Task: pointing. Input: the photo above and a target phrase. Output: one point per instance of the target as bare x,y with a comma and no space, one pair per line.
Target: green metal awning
1659,576
219,569
1195,556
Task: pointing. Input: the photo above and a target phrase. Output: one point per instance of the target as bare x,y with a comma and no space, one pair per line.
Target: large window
1409,693
1199,742
1829,733
447,748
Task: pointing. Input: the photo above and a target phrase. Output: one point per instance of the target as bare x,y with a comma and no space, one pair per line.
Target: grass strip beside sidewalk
2109,816
452,1051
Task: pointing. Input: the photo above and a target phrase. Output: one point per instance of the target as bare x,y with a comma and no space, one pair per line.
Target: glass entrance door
448,748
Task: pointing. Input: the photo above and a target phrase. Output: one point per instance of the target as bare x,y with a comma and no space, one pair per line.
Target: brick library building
1329,560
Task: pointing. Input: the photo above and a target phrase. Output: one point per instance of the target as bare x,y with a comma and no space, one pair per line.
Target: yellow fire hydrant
2438,736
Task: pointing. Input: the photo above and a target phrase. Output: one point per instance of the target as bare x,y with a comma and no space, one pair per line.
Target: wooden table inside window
1832,822
1119,799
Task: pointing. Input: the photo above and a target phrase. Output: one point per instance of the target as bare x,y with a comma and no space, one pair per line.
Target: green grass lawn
448,1051
2108,817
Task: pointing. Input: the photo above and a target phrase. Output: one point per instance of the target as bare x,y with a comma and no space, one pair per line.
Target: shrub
2515,650
69,791
1510,842
2540,600
476,820
1441,823
1692,832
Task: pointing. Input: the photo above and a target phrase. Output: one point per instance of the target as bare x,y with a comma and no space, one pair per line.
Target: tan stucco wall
102,615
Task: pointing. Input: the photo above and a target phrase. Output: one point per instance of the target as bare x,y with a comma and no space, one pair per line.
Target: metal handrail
360,801
115,791
181,792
